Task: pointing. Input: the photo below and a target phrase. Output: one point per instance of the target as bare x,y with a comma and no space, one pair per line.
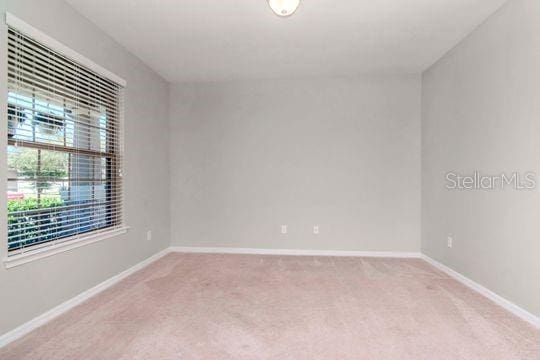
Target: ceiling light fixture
284,8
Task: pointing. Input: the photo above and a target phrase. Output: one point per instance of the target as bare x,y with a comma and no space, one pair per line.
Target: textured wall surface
481,112
340,153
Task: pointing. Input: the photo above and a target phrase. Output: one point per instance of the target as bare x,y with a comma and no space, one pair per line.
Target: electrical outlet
283,229
316,229
149,235
449,241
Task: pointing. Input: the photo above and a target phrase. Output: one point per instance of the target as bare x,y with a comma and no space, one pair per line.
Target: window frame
46,249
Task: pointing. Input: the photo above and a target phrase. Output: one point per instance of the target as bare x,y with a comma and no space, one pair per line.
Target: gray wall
344,154
31,289
481,111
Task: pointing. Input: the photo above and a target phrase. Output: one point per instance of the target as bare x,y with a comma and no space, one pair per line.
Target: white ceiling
214,40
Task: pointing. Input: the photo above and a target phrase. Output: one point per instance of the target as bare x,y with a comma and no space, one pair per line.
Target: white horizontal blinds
64,147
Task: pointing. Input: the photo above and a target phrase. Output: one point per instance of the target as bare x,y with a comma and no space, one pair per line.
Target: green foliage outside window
27,227
45,167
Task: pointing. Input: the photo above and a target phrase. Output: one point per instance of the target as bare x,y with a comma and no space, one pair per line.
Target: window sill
36,254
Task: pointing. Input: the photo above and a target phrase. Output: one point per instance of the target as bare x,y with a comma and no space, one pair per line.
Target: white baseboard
499,300
71,303
294,252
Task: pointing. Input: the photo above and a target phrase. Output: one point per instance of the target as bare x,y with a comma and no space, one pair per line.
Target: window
64,148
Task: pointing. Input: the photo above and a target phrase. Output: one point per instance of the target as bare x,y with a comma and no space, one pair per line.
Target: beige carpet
194,306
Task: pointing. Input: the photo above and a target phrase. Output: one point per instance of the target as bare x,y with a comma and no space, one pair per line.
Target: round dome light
284,7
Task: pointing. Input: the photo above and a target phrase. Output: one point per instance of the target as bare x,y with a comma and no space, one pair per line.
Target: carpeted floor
195,306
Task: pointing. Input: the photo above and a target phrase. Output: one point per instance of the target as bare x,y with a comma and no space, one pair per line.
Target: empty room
270,179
